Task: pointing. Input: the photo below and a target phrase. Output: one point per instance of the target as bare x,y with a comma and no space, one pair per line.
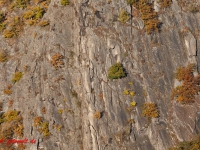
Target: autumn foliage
190,85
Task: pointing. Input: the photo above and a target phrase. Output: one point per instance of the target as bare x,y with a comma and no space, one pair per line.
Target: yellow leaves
150,110
133,103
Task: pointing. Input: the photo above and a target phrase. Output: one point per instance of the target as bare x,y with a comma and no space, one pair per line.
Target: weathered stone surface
91,39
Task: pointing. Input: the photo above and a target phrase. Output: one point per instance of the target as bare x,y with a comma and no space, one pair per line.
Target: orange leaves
57,61
190,85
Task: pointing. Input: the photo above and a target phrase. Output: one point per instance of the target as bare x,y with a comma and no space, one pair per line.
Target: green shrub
116,71
123,16
64,2
17,76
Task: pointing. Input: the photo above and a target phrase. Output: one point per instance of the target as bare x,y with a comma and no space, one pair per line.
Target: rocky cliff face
65,76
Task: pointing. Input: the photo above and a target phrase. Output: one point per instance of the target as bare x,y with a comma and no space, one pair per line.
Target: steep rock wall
91,39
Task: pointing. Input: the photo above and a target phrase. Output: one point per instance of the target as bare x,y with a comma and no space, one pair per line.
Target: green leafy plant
123,16
116,71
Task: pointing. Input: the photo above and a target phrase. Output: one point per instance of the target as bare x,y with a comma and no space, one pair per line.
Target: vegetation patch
21,3
29,12
13,27
133,104
33,16
116,71
17,76
148,15
186,92
150,110
8,90
124,16
129,92
42,126
165,3
97,115
188,145
192,6
11,126
60,111
3,56
57,61
64,2
58,126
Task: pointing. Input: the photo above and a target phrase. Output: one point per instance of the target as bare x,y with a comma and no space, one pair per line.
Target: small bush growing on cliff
13,27
130,2
186,92
123,16
165,3
8,90
42,126
3,56
20,3
64,2
150,110
57,61
11,126
188,145
17,76
116,71
148,14
97,115
32,16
